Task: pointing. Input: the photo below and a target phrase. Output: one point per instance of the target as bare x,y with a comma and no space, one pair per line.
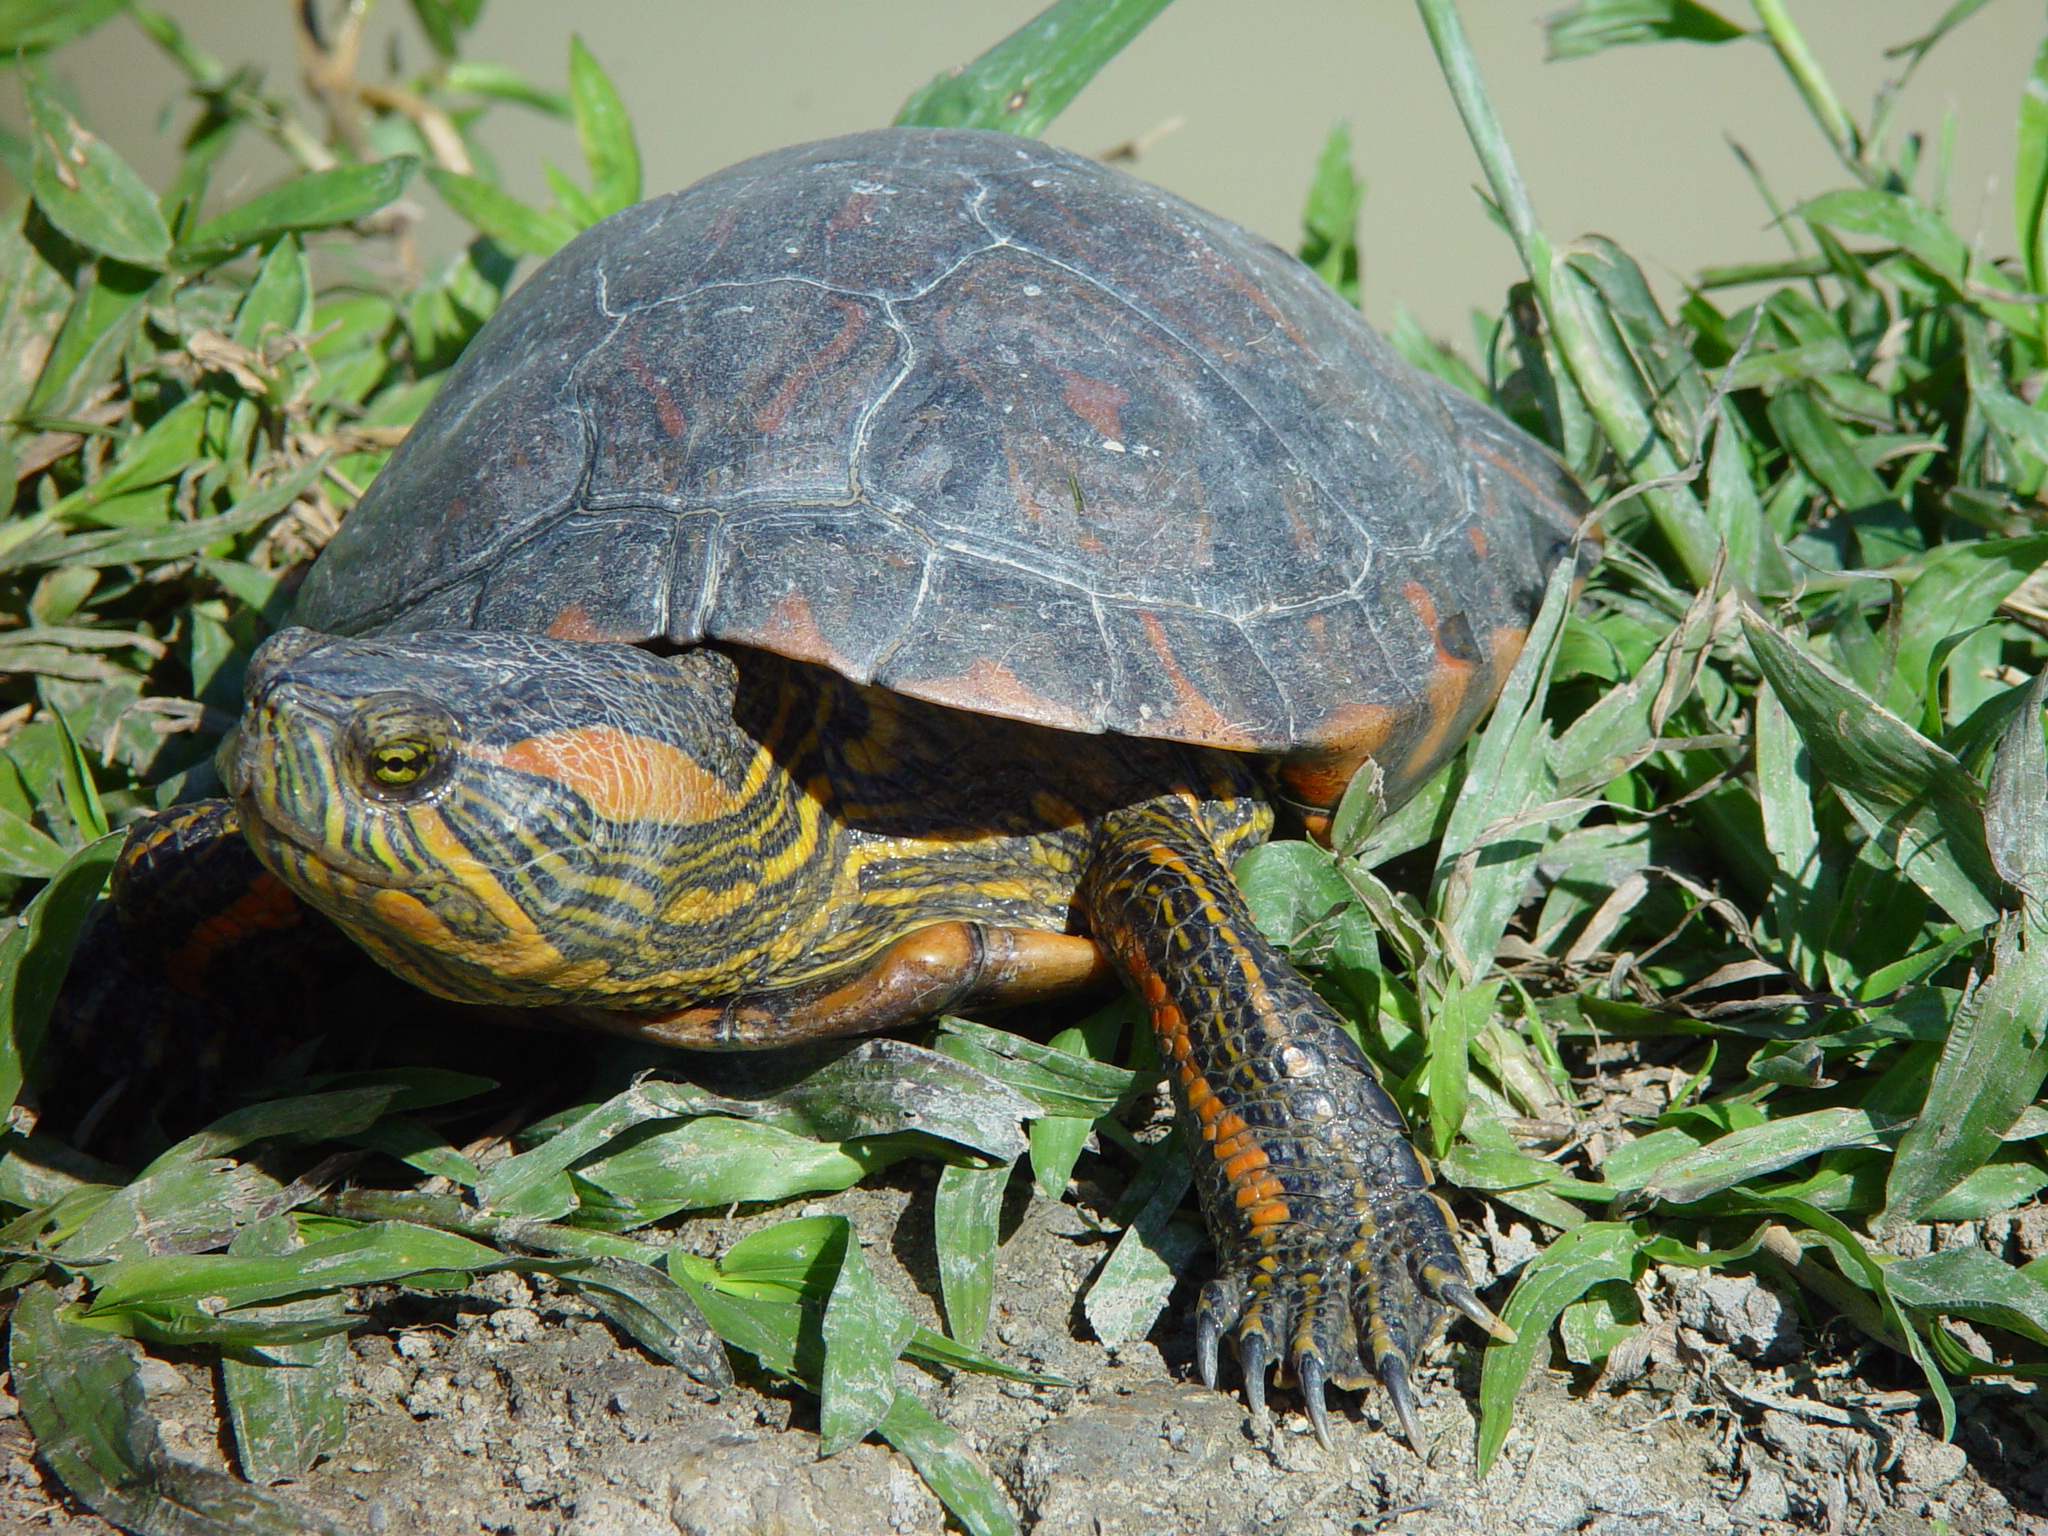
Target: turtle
899,575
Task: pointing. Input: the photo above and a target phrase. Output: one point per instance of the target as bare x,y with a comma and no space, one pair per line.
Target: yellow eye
400,763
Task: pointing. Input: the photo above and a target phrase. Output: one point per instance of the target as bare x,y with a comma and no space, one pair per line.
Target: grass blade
1026,80
318,200
285,1407
2030,177
1131,1289
966,1219
1992,1065
605,132
82,1400
1329,222
36,952
86,189
1587,1256
865,1329
1587,27
1917,802
949,1467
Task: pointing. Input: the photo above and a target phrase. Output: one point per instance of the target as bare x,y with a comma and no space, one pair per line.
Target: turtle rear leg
1334,1257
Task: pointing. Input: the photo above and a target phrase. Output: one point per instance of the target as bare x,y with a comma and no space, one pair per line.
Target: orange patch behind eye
622,776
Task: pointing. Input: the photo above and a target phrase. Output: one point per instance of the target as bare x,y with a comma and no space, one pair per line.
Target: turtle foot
1342,1304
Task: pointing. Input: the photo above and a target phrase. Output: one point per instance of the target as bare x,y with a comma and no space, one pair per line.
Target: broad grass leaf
1605,373
418,1145
149,546
284,1404
36,952
882,1087
1480,871
107,307
2005,1183
502,216
653,1309
1917,802
82,1399
1958,587
713,1160
1590,1328
1673,386
1756,1150
32,26
535,1184
2030,176
1329,221
303,1117
1127,1293
2014,826
315,200
605,132
1058,1082
1968,1282
1884,532
183,1208
767,1323
865,1329
2024,429
949,1467
1634,1163
86,189
1026,80
1991,1067
1462,1010
1621,728
1587,27
1568,1269
966,1222
74,777
1860,1269
503,83
1057,1141
25,850
381,1253
1756,560
280,298
1897,217
162,451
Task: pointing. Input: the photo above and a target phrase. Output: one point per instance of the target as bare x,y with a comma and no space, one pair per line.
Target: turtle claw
1394,1377
1308,1371
1254,1356
1222,1302
1453,1291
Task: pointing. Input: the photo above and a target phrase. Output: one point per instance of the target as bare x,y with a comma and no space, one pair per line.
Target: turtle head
496,818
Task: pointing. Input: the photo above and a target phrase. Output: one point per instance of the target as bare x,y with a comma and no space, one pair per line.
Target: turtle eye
399,746
398,764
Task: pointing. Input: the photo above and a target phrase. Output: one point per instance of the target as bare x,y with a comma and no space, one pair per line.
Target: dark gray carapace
988,423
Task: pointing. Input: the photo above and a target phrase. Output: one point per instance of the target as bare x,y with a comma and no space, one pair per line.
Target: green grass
1777,776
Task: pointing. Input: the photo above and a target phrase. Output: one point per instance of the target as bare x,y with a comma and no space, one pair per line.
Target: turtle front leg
1333,1255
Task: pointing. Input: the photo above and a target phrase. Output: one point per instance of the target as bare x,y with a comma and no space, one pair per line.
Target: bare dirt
513,1409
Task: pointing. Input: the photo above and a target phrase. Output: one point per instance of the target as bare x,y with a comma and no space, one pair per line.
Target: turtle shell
988,423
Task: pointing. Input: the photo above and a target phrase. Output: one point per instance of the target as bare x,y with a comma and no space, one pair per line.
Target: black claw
1394,1376
1457,1293
1207,1333
1308,1369
1255,1355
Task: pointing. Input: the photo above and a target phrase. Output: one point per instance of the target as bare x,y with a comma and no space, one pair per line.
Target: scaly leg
1333,1254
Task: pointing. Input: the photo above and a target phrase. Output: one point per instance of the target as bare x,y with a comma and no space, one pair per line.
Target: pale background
1630,143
